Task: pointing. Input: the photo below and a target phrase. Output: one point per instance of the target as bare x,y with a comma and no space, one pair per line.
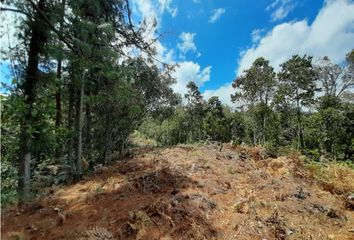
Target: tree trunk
37,40
106,137
264,129
299,122
88,127
71,125
58,116
79,128
24,170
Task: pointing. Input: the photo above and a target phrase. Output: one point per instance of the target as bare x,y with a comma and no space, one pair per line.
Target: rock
289,231
336,214
32,228
350,201
177,199
193,167
316,208
202,202
331,213
197,199
260,224
56,209
301,194
200,184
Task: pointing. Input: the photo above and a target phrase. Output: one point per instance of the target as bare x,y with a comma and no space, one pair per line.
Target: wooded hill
78,94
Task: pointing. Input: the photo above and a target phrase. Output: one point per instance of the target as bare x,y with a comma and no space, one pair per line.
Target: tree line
306,105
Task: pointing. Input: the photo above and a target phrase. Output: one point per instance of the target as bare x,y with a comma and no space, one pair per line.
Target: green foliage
297,78
196,111
256,88
77,98
8,184
10,111
170,131
174,131
271,150
298,85
237,126
312,154
215,123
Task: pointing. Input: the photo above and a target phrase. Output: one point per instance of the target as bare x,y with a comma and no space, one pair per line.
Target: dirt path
188,193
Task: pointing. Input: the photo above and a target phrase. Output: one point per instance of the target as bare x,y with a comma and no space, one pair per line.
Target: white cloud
216,14
146,10
281,9
189,71
164,54
331,34
151,11
256,35
166,5
186,71
197,1
222,92
187,44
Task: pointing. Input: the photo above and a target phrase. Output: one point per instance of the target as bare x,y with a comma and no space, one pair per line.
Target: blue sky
213,53
221,42
213,41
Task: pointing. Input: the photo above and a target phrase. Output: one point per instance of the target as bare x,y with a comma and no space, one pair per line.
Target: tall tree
298,83
333,79
215,122
38,39
195,110
256,87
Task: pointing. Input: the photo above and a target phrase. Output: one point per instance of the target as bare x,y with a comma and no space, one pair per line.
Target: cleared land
191,192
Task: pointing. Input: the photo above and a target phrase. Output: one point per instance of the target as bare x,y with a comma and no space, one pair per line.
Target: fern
99,233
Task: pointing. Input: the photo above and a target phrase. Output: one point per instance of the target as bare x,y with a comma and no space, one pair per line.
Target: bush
170,131
271,150
8,184
312,154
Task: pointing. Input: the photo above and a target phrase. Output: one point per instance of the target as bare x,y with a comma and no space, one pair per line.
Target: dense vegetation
307,106
78,94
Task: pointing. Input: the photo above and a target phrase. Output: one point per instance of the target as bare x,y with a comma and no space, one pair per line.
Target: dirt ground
189,192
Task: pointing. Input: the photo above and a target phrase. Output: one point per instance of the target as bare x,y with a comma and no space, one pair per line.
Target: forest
86,81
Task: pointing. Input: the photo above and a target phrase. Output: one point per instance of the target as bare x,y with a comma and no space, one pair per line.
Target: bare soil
189,192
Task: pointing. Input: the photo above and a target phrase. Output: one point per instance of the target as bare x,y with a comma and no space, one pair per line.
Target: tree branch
67,43
14,10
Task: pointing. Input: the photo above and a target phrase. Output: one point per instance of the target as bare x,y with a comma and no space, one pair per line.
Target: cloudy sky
213,41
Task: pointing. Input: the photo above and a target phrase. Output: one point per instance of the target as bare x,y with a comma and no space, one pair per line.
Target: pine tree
298,83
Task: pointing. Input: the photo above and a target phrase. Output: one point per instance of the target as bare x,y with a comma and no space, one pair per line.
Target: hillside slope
189,192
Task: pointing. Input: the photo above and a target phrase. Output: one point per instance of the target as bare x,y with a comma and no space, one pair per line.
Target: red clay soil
188,192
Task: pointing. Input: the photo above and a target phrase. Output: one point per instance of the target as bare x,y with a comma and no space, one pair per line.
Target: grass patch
333,176
140,139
